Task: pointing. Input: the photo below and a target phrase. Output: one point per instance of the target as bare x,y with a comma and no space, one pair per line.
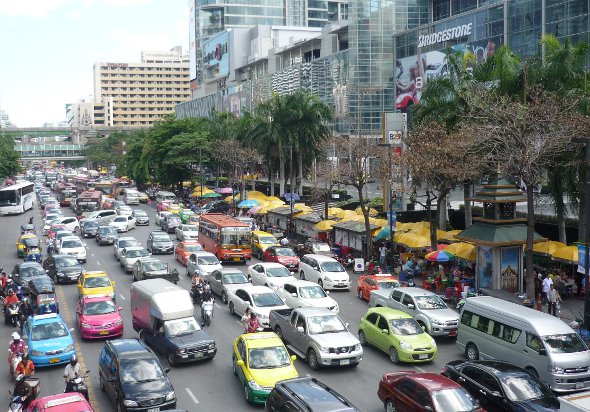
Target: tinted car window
140,370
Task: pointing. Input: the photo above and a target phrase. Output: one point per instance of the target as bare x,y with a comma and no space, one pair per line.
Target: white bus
17,198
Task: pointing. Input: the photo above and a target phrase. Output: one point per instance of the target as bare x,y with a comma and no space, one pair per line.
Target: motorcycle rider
16,349
197,286
25,310
71,372
9,300
23,390
25,366
206,296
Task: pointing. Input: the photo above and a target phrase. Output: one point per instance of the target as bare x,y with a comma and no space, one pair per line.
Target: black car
159,242
170,223
89,228
106,235
500,386
24,272
220,206
133,378
306,394
63,268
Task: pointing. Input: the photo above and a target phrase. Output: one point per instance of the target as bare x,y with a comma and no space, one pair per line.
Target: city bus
226,237
50,176
88,201
83,183
17,198
107,187
123,183
65,193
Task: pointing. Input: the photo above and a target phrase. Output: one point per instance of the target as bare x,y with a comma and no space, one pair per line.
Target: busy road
208,384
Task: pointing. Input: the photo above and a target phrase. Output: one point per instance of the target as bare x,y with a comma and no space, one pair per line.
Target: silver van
131,197
493,328
163,195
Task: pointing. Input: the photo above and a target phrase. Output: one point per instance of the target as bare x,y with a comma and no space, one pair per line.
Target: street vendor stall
305,225
351,234
279,217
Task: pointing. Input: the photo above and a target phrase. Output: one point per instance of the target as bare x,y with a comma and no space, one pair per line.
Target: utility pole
201,169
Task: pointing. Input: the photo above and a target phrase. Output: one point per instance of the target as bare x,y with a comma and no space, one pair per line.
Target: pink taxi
64,402
98,317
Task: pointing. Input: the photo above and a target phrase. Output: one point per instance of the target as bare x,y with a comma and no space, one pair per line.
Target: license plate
341,284
579,385
54,360
199,354
453,333
103,332
423,356
153,410
236,259
345,362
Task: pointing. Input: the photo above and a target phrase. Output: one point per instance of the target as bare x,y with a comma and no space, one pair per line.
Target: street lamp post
389,189
290,223
201,169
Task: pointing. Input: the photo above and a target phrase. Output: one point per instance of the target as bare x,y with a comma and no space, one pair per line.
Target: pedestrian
382,255
547,283
539,303
553,299
245,320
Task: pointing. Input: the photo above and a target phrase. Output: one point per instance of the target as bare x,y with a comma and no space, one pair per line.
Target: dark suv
159,242
89,228
306,394
170,223
133,378
106,235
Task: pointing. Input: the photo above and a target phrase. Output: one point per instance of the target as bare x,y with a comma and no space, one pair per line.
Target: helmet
15,336
73,360
11,291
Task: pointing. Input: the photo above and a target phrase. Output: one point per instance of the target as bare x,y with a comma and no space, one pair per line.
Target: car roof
323,258
126,238
225,271
203,253
70,238
433,381
59,257
133,248
262,340
63,402
258,289
129,348
95,298
301,282
46,318
270,265
28,264
496,367
389,313
417,292
310,311
315,394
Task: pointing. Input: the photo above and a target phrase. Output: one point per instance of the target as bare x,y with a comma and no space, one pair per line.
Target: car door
423,398
108,373
256,275
382,339
215,282
470,378
298,339
370,327
314,272
491,397
49,266
404,395
406,301
242,301
241,355
286,293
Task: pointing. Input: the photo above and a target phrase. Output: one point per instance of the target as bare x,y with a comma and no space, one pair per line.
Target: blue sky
48,48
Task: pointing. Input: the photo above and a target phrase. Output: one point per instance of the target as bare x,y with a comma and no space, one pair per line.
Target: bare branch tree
234,158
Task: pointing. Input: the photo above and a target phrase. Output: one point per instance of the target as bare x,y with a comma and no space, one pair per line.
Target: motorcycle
13,361
24,392
196,292
207,311
77,385
11,315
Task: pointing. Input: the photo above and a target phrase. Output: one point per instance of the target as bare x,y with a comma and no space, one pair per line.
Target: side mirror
543,352
300,329
293,358
166,370
327,292
120,308
496,394
346,325
411,306
240,363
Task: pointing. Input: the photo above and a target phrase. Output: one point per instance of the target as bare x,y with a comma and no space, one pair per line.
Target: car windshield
161,238
430,302
193,248
284,251
140,370
69,244
332,267
58,229
180,327
405,327
523,386
262,300
189,228
120,219
136,253
97,282
453,400
566,343
107,230
65,262
100,308
156,265
268,358
390,284
278,272
268,240
48,330
90,224
321,247
234,278
312,292
325,324
139,213
173,219
127,243
208,260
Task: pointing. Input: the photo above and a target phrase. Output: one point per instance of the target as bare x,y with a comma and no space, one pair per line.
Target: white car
161,215
123,223
124,211
269,274
130,255
204,262
325,271
187,232
123,242
260,299
70,222
303,293
73,246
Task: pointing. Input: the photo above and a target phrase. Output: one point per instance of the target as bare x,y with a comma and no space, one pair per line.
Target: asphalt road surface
210,384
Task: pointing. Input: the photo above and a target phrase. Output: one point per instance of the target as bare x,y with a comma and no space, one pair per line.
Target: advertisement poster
509,269
485,262
215,58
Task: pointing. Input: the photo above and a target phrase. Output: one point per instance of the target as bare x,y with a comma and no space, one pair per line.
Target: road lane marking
192,395
65,311
217,306
98,263
92,254
122,297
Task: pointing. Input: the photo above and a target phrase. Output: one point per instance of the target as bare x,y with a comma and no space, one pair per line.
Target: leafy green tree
9,165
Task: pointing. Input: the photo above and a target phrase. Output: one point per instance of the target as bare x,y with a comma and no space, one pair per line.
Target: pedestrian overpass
57,152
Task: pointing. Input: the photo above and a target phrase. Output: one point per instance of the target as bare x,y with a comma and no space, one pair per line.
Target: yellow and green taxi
20,245
174,208
259,361
96,283
185,215
397,334
260,241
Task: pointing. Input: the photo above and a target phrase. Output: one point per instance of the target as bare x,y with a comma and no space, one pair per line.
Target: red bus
122,184
83,183
65,193
88,201
226,237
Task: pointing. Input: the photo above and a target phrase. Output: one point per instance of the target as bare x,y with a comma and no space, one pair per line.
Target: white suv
325,271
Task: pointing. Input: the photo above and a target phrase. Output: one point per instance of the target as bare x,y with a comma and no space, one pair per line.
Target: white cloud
113,3
30,8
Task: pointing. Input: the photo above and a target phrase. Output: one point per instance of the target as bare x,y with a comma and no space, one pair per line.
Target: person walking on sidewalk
547,283
552,300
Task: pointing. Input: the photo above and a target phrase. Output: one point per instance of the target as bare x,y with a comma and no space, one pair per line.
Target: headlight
181,351
86,325
437,322
117,323
357,347
60,274
254,385
70,348
433,343
36,353
170,396
405,345
130,403
324,350
556,369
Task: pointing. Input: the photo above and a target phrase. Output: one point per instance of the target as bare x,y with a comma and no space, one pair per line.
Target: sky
48,48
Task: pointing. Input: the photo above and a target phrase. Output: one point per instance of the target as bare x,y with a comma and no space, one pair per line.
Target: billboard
215,57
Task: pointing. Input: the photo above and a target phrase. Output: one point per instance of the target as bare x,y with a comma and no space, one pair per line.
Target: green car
397,334
185,215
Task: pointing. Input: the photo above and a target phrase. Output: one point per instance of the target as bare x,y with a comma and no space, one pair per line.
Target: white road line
419,369
121,296
238,322
92,254
98,263
192,395
217,306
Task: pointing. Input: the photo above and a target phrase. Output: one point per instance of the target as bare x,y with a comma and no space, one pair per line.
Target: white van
163,195
492,328
131,197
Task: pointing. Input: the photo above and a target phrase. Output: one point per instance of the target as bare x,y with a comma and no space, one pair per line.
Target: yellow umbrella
412,241
568,254
548,248
344,214
372,212
302,207
462,250
255,193
379,222
402,227
325,225
333,211
197,192
274,199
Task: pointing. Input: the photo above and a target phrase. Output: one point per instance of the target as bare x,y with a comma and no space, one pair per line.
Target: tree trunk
292,183
272,179
530,231
281,174
368,236
560,214
582,220
441,211
300,175
467,204
253,181
433,221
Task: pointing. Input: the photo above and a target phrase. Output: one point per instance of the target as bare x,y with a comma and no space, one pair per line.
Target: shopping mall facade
381,58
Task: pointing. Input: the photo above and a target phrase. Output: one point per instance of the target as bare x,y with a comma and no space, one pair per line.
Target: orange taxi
184,249
367,283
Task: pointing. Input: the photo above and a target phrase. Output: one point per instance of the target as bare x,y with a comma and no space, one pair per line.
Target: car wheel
171,359
320,283
101,383
362,338
360,293
279,332
224,297
301,275
389,406
532,371
312,360
471,352
393,355
232,310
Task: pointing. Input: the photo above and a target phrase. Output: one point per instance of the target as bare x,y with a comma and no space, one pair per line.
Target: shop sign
445,35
